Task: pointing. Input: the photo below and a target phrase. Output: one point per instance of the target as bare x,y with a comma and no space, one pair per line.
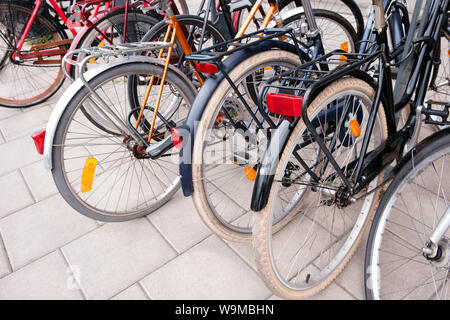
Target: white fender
72,91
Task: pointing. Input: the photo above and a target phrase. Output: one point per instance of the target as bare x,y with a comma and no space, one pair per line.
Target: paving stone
16,154
135,292
210,270
117,255
9,112
41,228
352,277
14,194
179,222
46,278
39,180
5,268
25,124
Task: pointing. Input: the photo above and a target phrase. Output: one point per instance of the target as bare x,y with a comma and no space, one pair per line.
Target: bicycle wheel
125,183
308,253
28,81
222,189
418,197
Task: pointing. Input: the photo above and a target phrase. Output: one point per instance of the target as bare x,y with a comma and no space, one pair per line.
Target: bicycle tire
68,187
389,215
273,257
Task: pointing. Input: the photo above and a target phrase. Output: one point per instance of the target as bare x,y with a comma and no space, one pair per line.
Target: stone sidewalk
49,251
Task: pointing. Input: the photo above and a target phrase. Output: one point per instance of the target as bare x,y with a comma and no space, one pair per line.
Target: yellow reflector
101,44
87,178
250,173
344,47
355,128
268,68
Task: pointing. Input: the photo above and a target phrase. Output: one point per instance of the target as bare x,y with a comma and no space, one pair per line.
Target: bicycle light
176,138
207,68
285,104
39,138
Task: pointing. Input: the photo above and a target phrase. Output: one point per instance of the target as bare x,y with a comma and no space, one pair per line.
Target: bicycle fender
267,170
200,102
76,86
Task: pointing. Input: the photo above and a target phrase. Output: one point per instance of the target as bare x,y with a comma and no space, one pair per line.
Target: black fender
268,167
187,131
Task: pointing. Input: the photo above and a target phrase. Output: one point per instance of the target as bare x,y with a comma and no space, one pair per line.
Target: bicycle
347,122
230,101
148,140
407,254
125,172
33,43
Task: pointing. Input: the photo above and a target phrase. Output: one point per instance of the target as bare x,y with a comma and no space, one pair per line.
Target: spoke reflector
355,128
250,173
87,177
344,47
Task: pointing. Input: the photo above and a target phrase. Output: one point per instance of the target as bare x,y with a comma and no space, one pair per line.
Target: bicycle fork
437,248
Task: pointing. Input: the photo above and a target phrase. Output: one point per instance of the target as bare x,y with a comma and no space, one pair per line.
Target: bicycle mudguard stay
77,86
188,129
266,173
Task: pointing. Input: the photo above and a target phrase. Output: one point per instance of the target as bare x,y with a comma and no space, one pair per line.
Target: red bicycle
35,37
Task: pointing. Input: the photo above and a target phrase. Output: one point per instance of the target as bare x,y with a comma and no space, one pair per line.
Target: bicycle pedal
437,112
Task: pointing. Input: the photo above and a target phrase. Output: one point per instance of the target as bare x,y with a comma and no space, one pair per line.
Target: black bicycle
336,149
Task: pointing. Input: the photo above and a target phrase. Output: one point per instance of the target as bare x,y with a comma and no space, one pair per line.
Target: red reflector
39,138
207,68
176,138
285,104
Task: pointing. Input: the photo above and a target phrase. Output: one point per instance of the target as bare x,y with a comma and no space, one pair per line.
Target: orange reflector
344,47
355,128
449,53
87,177
207,68
250,173
39,138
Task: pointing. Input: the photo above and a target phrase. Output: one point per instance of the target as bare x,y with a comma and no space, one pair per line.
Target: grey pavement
49,251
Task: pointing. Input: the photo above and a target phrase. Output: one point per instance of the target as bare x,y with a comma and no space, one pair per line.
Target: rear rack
125,49
303,80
